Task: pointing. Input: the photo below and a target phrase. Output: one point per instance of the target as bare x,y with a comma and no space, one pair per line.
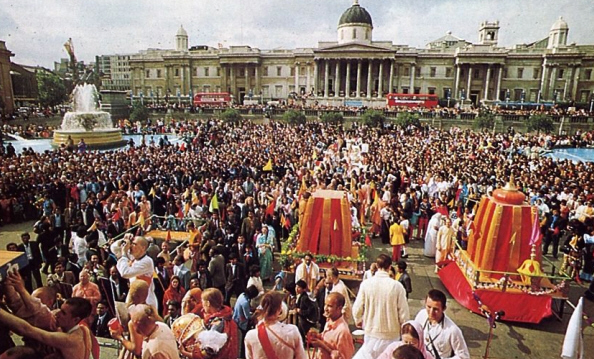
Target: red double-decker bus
411,100
212,99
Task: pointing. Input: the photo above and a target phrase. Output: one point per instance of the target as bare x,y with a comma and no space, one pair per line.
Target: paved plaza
510,340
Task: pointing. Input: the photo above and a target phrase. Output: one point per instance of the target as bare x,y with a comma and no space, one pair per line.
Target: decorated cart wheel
186,329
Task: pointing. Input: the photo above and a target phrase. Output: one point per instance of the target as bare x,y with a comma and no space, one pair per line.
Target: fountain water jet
87,122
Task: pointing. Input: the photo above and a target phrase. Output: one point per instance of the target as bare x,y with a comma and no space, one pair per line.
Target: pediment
353,47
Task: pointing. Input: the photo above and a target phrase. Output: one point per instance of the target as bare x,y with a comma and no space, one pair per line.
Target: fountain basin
95,140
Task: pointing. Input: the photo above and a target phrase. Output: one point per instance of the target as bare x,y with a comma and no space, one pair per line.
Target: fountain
87,122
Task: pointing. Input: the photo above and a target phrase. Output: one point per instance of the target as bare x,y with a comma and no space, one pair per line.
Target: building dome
181,32
560,24
355,15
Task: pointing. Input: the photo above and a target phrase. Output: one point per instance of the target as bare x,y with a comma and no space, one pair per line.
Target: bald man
159,341
134,264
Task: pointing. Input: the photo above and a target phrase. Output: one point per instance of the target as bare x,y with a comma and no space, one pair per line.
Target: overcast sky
35,31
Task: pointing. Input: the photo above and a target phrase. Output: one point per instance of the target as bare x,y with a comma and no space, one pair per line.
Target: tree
540,123
294,117
231,115
139,113
334,118
51,89
406,119
374,118
485,120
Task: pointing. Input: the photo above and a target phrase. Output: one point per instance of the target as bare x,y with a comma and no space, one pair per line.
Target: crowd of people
217,187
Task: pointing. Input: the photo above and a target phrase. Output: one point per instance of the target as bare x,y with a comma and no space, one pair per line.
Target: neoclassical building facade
356,69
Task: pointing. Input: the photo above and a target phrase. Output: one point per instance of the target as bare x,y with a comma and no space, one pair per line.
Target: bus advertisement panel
212,99
411,100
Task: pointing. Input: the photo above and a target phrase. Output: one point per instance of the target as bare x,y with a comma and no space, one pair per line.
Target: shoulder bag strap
265,341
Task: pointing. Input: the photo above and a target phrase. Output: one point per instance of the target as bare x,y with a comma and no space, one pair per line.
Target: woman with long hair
272,339
174,292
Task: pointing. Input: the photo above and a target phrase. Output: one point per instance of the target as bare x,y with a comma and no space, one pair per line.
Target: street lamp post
131,98
141,98
506,99
522,98
591,103
449,96
178,98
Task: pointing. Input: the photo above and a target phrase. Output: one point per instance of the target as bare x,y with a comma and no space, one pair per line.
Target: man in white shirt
443,338
134,264
308,271
338,286
380,308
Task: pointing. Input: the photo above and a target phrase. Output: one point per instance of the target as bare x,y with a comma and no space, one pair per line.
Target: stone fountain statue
87,122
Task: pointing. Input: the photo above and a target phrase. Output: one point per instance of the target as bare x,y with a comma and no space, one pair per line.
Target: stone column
359,65
499,75
391,79
575,80
337,80
486,97
457,81
380,86
297,77
468,82
413,71
347,85
248,85
326,77
308,78
258,88
233,81
369,70
553,81
315,78
543,80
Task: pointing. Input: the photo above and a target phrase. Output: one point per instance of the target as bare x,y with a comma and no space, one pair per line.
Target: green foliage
374,118
231,115
405,119
334,118
294,117
484,121
540,123
51,89
139,113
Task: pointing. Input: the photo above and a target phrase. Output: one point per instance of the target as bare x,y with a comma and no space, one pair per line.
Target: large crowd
215,186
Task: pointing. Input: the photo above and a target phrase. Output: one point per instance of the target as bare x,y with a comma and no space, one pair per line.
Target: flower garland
289,255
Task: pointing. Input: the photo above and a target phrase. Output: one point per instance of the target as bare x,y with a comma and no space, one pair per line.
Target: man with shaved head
159,341
134,264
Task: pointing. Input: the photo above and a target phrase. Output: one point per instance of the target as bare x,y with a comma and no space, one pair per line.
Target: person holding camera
134,264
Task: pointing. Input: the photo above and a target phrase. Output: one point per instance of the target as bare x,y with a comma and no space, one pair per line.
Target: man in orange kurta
336,340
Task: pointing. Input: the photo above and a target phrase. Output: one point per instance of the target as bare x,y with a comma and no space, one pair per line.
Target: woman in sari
265,243
175,292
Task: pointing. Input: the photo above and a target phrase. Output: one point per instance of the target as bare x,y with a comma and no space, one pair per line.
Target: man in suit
31,248
173,312
115,225
99,326
235,273
64,280
216,267
321,297
161,281
118,284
